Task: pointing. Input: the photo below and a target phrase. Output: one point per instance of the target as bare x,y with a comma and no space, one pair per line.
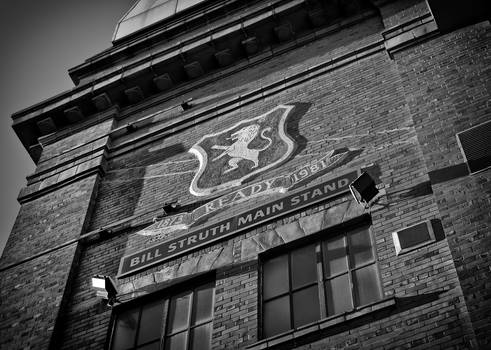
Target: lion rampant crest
251,146
239,150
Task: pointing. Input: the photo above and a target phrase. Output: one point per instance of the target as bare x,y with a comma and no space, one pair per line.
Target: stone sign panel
214,232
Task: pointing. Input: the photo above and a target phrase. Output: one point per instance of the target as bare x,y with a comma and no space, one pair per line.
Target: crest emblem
233,155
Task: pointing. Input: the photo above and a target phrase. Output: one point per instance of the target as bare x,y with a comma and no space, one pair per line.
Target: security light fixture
170,207
364,189
105,288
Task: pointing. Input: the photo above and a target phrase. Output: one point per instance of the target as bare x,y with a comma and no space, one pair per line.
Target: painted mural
231,156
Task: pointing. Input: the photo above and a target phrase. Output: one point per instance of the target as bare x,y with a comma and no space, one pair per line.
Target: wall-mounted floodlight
171,207
105,288
364,189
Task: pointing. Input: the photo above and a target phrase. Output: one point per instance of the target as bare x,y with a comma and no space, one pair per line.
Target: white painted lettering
294,200
135,261
303,173
202,235
269,183
238,196
222,201
192,239
295,178
209,207
330,187
277,207
314,168
213,231
259,214
256,188
343,183
225,227
316,192
172,247
244,220
181,242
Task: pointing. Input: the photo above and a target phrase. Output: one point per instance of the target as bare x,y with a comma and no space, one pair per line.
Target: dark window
322,279
476,146
181,321
413,237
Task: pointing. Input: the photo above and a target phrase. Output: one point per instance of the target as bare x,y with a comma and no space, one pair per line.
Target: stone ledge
60,180
410,33
68,168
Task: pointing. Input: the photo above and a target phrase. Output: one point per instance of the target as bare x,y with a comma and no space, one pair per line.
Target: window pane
153,346
335,257
177,342
201,337
304,269
367,286
306,306
184,4
179,312
143,6
125,330
360,247
338,294
275,276
414,235
476,146
204,304
158,13
276,316
150,322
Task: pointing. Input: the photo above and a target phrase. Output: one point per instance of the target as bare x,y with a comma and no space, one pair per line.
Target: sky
40,41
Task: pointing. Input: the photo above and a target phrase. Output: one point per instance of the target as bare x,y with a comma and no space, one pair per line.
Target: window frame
290,290
165,294
191,323
318,240
397,243
462,150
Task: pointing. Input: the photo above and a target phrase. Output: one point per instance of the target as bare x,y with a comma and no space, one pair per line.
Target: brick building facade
204,161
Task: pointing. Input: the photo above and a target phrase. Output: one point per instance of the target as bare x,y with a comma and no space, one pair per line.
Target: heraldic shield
231,156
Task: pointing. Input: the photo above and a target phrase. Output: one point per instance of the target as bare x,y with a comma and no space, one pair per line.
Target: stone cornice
258,30
199,115
94,166
168,29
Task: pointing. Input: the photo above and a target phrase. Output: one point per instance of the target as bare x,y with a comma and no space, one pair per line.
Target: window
147,12
476,146
413,237
179,322
325,278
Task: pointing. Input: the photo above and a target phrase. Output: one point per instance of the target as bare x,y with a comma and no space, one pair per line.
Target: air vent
413,237
476,146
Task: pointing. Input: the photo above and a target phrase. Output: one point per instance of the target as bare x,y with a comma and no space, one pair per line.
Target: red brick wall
400,114
447,88
41,252
367,105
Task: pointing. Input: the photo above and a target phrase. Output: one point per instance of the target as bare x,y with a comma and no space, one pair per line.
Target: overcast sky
40,41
